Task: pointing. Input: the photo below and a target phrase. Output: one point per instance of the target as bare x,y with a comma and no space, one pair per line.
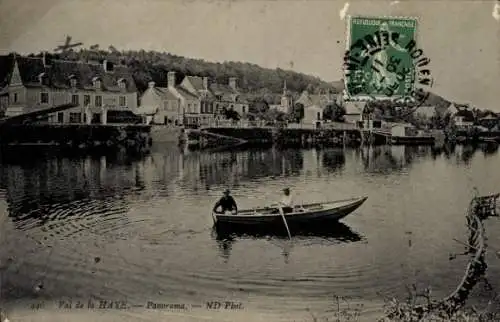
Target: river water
135,230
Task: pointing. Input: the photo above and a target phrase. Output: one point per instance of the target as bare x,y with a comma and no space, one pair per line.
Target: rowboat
306,214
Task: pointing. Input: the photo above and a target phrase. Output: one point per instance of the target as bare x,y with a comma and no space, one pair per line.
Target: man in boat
286,202
226,203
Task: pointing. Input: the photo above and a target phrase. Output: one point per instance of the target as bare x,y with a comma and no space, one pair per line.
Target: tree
231,114
274,115
297,113
334,112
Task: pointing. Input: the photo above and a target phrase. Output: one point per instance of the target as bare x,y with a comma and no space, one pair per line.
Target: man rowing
226,203
286,202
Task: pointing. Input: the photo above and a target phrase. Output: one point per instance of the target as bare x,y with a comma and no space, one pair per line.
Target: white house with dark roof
314,105
161,105
97,88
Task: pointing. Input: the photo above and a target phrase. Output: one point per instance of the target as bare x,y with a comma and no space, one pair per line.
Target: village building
161,105
314,105
464,119
199,86
489,121
194,102
100,90
228,97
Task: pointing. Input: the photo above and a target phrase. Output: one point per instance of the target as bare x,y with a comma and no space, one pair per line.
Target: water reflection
202,170
332,233
387,158
66,196
54,188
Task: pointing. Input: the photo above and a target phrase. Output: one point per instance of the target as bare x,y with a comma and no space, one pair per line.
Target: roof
354,107
6,65
466,114
184,92
197,82
222,89
490,117
59,72
165,93
320,100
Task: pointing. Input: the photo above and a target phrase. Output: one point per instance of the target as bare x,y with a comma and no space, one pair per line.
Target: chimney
171,79
151,84
205,83
232,82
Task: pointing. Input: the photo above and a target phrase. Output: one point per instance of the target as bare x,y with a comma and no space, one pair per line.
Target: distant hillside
152,65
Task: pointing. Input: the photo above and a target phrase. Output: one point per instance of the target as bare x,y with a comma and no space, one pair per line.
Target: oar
284,220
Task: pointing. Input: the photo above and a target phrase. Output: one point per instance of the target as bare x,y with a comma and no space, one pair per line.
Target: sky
461,37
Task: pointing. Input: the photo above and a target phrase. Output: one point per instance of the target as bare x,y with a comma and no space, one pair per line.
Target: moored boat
306,214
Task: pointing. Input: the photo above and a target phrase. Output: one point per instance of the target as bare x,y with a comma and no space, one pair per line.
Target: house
354,111
489,121
171,105
228,97
161,105
199,86
314,105
464,119
286,103
97,88
403,129
313,114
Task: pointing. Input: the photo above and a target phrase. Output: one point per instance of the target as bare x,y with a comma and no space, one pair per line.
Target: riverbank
216,137
76,137
267,136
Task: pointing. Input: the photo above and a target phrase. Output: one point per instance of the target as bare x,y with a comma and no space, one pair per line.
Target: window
75,117
72,82
121,84
44,98
98,101
97,84
165,105
123,101
86,100
243,109
60,117
85,118
15,98
75,99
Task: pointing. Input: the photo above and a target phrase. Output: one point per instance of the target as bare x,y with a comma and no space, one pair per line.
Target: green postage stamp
383,60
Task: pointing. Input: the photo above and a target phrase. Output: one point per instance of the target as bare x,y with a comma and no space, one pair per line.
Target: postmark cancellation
383,61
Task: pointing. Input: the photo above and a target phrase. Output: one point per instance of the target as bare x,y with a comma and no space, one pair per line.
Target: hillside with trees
153,65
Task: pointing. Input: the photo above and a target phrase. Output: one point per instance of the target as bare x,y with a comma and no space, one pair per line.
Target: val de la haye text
95,304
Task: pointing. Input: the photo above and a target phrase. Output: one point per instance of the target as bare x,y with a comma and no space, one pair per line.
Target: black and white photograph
238,160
